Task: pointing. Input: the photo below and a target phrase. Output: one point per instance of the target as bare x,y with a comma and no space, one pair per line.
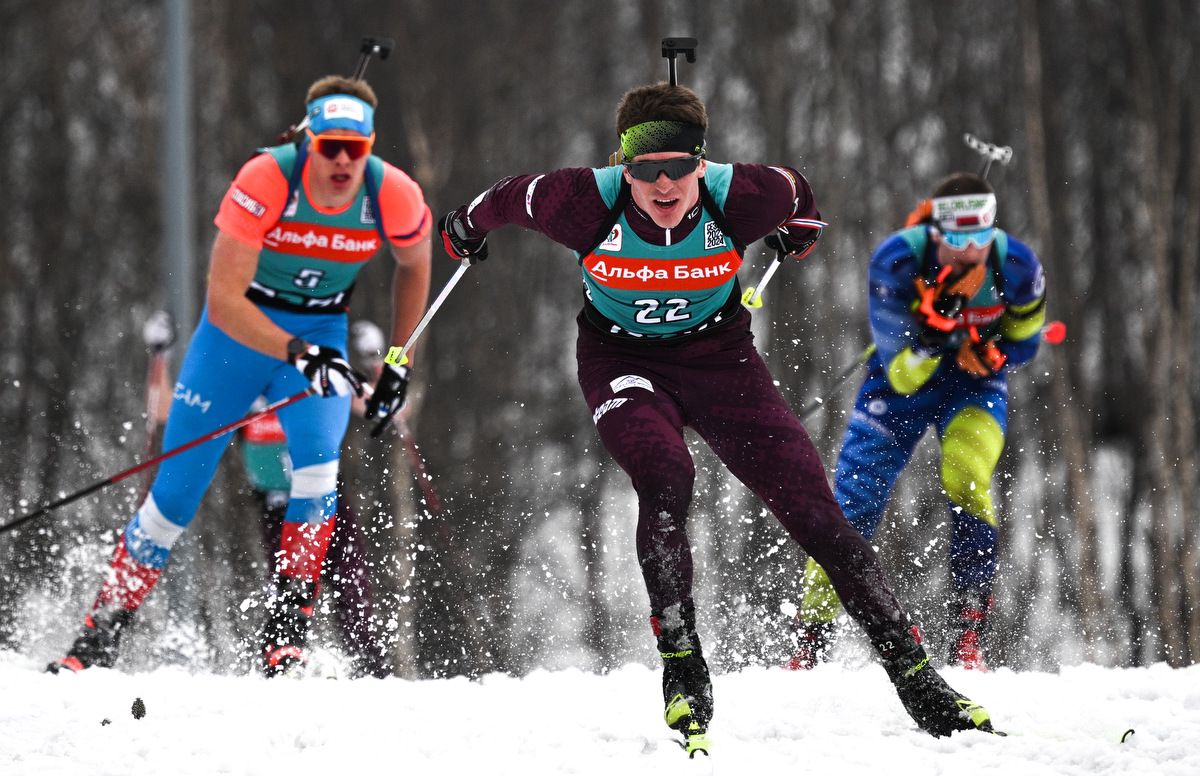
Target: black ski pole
417,463
95,486
819,402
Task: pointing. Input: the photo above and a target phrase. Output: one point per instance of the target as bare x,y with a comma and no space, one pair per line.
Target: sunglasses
675,168
330,146
980,238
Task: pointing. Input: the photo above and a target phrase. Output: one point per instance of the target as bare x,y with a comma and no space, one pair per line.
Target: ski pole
95,486
819,402
1053,333
752,299
398,356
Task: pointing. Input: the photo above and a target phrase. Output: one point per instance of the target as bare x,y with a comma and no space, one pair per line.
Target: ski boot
98,643
814,639
285,634
935,706
687,687
970,625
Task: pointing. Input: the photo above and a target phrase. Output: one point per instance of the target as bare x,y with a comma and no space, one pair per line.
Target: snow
835,719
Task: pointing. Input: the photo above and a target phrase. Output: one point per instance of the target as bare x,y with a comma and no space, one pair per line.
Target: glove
456,241
327,370
390,390
980,357
939,305
795,237
937,326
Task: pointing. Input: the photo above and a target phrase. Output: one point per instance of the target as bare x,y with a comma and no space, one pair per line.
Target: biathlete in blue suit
296,226
955,303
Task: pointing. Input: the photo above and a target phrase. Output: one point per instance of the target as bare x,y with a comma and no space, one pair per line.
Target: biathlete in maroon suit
664,343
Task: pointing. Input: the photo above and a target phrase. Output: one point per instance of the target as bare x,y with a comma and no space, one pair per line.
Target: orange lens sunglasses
330,146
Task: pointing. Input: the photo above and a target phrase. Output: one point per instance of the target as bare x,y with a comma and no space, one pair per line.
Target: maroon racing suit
643,392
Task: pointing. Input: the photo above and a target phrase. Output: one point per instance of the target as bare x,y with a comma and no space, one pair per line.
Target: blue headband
341,111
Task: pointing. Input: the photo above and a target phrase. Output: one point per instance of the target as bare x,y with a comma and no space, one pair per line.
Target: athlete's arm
1025,304
232,267
253,204
762,198
565,205
409,224
890,295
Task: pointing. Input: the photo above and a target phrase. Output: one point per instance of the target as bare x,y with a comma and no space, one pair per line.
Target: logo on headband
343,108
965,211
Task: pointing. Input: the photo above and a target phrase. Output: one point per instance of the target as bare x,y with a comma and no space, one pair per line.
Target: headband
964,212
652,137
341,111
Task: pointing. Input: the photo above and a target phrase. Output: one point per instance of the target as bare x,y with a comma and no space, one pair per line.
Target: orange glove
979,357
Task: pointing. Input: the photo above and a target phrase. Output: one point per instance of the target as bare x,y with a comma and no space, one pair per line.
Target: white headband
964,212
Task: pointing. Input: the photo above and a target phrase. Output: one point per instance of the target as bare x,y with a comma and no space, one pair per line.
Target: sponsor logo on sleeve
248,203
630,381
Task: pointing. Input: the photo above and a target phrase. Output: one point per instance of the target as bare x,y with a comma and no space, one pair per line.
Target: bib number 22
672,311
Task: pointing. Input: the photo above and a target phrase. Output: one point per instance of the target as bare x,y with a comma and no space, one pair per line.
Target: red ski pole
95,486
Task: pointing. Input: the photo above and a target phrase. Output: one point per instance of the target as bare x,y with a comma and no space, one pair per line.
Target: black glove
933,338
326,368
390,390
795,237
458,244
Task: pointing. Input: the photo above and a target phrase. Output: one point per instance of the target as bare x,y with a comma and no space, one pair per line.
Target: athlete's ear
701,168
628,177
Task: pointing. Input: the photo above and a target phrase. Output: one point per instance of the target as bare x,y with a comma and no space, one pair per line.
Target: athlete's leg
314,428
640,424
733,403
218,380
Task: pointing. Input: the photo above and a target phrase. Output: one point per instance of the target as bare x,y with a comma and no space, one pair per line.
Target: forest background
530,560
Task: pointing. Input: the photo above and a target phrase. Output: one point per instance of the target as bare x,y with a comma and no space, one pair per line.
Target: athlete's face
667,201
334,176
959,259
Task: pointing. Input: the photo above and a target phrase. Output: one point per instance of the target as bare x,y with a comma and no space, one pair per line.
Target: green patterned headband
651,137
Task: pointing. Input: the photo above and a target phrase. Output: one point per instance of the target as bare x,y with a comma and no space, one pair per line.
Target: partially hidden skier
955,304
294,229
664,343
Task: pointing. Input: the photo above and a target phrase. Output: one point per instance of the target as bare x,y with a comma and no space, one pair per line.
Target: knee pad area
971,446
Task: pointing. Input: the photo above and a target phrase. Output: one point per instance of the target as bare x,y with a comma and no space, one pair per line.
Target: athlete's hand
390,391
328,371
795,237
980,357
457,240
